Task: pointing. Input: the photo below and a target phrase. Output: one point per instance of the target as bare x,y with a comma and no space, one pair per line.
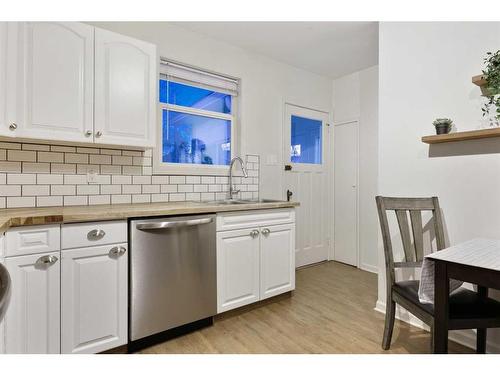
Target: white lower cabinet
94,298
255,258
237,269
32,321
277,260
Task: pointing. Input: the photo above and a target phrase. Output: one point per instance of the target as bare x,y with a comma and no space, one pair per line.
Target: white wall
355,97
425,73
266,85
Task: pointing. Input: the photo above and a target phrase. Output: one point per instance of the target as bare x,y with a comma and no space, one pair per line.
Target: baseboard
466,338
368,268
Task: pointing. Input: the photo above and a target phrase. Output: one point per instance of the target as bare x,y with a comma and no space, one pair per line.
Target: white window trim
162,168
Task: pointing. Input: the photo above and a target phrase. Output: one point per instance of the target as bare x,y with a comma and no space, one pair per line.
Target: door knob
88,133
13,126
98,133
254,233
266,231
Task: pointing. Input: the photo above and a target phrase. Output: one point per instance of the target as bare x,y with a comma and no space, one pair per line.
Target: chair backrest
413,250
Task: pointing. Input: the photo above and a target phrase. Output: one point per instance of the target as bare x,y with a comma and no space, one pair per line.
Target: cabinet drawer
92,234
32,240
249,219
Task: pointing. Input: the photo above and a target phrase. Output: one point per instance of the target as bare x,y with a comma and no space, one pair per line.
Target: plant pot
442,129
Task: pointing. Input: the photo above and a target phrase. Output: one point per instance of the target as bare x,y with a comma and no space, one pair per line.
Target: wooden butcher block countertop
15,217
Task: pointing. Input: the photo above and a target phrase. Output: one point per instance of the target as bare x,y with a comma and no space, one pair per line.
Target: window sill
190,169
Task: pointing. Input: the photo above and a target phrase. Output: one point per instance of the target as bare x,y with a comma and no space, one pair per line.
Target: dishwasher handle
173,224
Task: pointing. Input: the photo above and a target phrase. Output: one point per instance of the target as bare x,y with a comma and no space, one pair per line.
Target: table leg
441,307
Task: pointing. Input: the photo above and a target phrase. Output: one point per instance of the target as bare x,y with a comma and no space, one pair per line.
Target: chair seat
464,303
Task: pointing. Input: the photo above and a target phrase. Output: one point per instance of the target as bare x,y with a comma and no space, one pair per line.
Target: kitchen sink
241,201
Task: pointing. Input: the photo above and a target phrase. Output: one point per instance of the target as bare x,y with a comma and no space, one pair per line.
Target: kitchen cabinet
237,268
76,83
126,87
94,298
277,263
32,321
255,256
57,81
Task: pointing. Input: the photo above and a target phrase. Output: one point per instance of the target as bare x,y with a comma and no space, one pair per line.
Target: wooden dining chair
464,304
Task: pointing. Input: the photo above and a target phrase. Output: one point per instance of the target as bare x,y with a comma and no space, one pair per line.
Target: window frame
163,168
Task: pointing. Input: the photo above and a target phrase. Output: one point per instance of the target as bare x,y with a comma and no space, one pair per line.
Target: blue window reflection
194,97
306,140
195,139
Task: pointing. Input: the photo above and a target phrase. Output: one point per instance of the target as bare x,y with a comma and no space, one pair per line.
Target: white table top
479,252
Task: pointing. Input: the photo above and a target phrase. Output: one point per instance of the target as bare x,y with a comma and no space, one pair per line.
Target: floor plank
331,311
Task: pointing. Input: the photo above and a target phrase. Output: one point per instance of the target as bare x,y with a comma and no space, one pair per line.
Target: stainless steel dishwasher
172,273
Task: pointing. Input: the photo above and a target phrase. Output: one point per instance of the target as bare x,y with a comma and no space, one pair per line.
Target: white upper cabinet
126,87
8,72
57,81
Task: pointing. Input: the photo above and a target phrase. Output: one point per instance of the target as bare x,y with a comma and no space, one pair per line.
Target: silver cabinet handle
266,231
173,224
47,259
98,133
95,234
117,251
88,133
13,126
254,233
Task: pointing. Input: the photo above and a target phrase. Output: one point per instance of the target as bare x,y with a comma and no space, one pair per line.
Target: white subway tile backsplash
10,166
51,175
35,167
50,157
17,155
75,200
14,202
21,179
49,201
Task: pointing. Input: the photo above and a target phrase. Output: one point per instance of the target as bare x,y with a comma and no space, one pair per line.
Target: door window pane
194,97
195,139
306,140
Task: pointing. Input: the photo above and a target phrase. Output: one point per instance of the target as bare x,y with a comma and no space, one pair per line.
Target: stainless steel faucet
232,190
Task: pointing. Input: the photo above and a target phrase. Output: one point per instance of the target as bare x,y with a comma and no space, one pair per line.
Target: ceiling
332,49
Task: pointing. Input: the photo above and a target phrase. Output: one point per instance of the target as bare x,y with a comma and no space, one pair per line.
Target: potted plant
443,125
491,76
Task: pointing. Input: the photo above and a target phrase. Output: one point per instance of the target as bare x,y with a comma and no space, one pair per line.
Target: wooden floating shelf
462,136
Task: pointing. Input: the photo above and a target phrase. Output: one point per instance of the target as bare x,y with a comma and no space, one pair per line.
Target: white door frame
335,124
328,167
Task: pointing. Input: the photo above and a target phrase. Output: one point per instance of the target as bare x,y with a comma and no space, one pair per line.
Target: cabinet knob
47,259
96,234
254,233
117,251
13,126
266,231
88,133
98,133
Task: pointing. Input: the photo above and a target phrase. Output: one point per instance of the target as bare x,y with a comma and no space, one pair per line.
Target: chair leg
390,311
481,341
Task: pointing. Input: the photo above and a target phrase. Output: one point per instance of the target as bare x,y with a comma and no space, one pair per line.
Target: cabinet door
277,256
126,86
57,80
237,269
8,72
94,299
32,321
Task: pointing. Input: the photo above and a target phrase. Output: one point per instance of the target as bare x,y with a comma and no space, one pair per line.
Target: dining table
476,261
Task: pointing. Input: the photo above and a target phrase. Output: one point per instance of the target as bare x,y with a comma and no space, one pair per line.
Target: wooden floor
331,311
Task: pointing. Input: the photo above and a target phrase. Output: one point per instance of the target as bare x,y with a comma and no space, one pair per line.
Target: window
305,140
197,121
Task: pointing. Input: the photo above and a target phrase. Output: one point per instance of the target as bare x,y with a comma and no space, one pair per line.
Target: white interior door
346,193
306,159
